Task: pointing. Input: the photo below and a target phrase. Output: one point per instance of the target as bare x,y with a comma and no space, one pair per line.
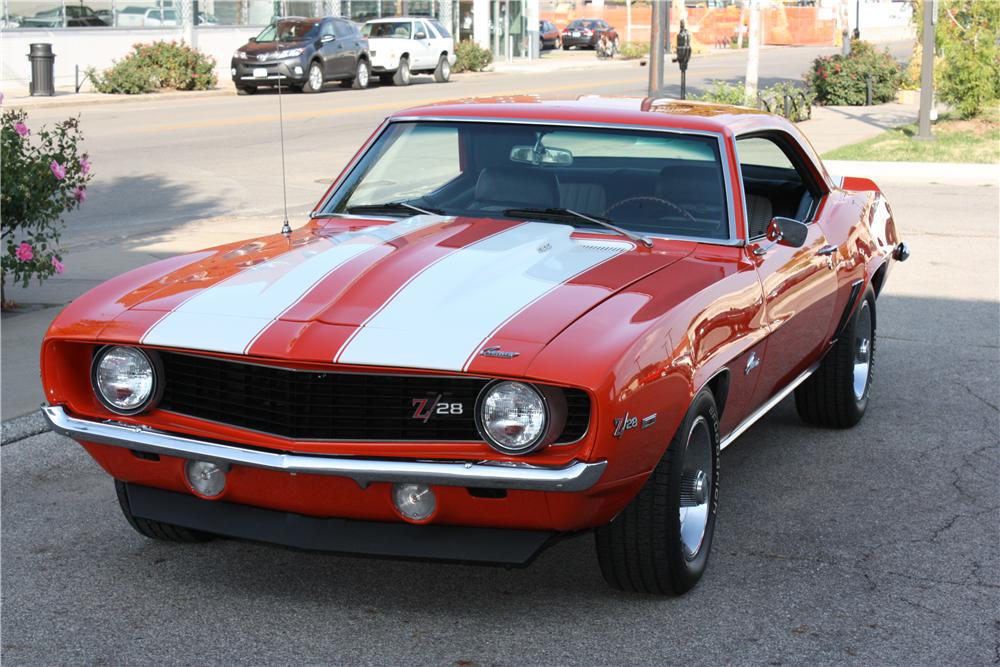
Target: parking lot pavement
877,545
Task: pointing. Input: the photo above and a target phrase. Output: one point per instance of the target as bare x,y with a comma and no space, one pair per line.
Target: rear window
440,28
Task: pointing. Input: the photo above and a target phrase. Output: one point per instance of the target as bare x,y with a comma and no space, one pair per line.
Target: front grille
317,405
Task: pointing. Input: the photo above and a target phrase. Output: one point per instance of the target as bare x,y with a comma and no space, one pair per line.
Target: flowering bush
44,175
157,65
840,79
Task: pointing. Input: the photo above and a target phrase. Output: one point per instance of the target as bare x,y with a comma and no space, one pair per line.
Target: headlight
288,53
240,55
517,418
124,379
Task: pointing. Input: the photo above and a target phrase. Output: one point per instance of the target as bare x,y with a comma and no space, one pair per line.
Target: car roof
604,110
394,19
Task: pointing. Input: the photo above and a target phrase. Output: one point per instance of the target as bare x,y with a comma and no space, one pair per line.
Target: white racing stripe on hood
228,316
442,316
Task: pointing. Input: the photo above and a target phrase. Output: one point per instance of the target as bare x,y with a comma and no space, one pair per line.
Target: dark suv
307,51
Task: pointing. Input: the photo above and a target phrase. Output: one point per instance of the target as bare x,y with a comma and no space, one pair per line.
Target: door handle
827,250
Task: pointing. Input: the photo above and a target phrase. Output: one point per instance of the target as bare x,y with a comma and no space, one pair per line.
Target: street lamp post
927,71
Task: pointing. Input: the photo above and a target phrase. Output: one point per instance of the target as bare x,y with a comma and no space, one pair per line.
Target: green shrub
968,39
770,99
721,92
634,50
841,80
470,57
157,65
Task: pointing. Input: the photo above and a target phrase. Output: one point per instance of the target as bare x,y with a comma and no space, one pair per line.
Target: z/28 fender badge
628,422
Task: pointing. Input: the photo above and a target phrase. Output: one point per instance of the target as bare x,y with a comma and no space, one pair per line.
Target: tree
753,51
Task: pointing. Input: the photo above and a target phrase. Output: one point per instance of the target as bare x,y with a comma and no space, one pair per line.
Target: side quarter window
773,184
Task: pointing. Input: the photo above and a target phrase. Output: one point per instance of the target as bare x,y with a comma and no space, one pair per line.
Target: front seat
759,214
499,188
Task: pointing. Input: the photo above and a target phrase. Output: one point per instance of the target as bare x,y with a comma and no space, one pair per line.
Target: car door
799,284
347,47
423,43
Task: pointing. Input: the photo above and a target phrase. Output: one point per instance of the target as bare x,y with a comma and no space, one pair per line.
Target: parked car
308,52
76,16
549,36
505,322
585,33
403,46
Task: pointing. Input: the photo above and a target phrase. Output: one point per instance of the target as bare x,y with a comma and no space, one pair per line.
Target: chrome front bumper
576,476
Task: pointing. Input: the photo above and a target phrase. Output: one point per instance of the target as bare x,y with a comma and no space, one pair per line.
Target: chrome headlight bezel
554,410
156,370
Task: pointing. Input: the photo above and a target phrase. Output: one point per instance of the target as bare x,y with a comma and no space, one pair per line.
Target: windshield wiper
386,207
563,213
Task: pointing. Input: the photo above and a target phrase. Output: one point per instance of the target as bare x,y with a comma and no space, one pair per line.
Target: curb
25,426
71,99
919,172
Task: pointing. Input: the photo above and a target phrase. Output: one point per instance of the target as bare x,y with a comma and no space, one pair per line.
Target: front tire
314,82
836,395
661,541
156,530
442,73
402,74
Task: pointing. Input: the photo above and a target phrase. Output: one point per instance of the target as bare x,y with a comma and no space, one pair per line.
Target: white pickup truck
402,46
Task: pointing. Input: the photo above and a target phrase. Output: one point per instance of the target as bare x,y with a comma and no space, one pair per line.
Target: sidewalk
92,264
66,97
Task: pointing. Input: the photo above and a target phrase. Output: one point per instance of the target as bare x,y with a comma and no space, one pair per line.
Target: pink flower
22,129
58,265
58,170
24,252
84,166
80,193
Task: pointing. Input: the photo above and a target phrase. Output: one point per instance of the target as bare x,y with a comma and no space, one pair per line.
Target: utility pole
628,20
656,50
666,25
753,53
739,28
845,28
927,70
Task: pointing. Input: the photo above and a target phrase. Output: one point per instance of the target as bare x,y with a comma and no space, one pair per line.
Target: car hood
431,292
258,48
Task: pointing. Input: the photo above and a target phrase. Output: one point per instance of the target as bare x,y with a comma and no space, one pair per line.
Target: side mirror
784,231
252,40
421,35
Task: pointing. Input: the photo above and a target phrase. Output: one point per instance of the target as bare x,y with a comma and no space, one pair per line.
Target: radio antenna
286,228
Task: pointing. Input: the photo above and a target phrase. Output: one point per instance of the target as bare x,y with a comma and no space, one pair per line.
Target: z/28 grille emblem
425,408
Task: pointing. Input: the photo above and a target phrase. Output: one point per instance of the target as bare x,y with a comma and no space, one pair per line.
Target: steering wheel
657,200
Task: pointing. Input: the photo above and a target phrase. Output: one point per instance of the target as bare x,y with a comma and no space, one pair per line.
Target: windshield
580,24
289,31
397,29
648,182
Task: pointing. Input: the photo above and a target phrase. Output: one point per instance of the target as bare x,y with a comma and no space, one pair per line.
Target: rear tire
156,530
442,73
566,47
661,541
402,75
836,395
314,82
362,75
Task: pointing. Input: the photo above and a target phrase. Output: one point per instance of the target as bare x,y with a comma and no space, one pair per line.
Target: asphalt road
161,163
877,545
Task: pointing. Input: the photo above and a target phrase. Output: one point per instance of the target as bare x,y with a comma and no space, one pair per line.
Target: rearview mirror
539,154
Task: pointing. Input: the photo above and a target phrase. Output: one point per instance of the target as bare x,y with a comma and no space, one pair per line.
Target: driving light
206,478
414,502
124,379
512,417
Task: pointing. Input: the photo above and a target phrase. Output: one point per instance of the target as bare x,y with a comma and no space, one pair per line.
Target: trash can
42,65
